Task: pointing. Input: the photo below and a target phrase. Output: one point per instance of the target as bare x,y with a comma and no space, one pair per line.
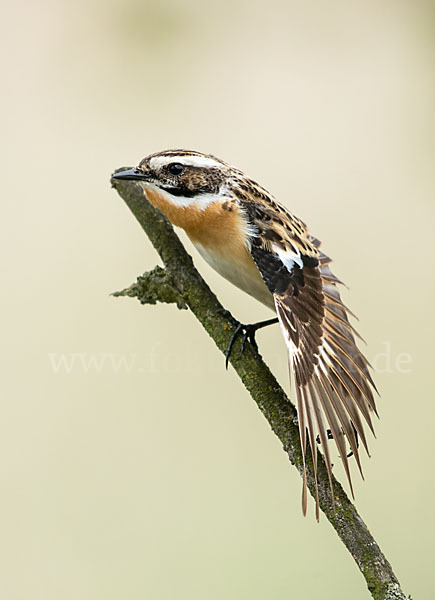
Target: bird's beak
131,174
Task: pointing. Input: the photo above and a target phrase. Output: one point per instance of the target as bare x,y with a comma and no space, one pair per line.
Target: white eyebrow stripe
193,161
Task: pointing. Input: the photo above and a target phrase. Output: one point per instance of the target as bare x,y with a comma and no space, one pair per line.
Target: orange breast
220,227
219,234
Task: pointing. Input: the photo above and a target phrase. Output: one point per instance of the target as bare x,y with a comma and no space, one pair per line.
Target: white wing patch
289,258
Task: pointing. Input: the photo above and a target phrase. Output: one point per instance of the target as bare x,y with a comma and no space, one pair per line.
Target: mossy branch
152,287
180,283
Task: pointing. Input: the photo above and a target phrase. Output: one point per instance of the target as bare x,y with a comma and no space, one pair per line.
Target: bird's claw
248,333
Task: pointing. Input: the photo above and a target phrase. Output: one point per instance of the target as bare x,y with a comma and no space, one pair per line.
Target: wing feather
334,388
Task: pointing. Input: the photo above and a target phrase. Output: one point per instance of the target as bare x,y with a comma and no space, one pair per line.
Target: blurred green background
157,477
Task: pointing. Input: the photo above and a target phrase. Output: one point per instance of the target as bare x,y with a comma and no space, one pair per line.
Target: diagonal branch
180,283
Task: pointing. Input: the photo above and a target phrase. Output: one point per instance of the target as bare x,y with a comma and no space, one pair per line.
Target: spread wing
333,385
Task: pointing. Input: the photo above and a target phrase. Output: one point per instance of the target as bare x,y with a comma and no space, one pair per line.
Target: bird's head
182,178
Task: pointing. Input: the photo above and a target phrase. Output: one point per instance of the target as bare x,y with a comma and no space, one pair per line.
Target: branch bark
180,283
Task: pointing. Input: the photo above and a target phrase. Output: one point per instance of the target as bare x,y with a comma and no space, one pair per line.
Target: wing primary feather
313,390
332,327
339,411
328,276
312,439
303,438
359,400
338,302
348,404
331,415
343,321
350,409
363,372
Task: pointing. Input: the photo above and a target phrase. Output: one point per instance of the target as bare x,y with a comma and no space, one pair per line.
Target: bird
258,245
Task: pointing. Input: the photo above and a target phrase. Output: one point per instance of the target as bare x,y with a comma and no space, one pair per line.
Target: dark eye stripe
181,191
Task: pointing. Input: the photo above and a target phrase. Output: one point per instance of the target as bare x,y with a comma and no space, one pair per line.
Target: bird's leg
248,333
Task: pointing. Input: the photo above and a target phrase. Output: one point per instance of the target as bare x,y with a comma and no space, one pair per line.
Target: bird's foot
328,434
331,437
248,333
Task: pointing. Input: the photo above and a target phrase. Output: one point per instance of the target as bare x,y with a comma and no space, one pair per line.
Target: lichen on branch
152,287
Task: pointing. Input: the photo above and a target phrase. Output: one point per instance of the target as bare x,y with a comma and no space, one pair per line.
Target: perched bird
259,246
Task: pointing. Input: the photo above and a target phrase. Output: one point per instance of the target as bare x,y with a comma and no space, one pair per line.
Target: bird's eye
175,168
